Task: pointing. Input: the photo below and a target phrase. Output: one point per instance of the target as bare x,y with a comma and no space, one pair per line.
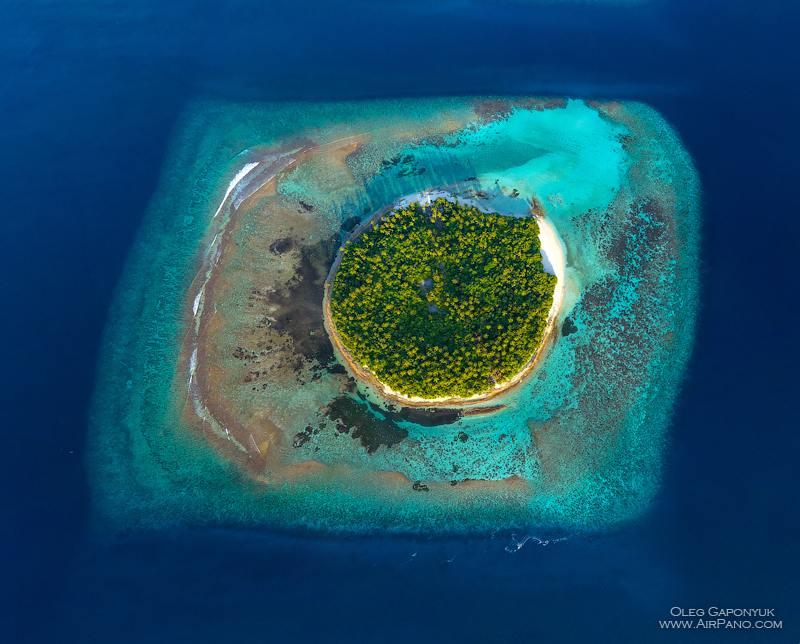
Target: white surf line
196,303
240,176
211,245
235,182
199,301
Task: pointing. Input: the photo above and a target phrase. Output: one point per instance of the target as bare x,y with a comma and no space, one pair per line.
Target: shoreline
552,250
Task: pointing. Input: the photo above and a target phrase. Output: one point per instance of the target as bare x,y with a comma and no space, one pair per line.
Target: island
437,315
441,302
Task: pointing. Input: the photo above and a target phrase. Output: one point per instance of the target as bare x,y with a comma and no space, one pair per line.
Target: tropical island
443,300
228,395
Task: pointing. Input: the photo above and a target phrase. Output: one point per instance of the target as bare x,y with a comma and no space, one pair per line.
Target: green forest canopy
443,300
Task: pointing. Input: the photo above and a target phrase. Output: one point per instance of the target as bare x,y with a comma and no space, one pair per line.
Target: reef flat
221,398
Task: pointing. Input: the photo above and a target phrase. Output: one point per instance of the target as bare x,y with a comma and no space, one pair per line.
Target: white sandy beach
553,261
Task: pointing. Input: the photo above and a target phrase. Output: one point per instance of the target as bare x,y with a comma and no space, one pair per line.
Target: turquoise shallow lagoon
578,444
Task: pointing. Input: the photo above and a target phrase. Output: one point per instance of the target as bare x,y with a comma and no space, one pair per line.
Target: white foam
239,176
197,302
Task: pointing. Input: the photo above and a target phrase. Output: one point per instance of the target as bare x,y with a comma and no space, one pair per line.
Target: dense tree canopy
443,300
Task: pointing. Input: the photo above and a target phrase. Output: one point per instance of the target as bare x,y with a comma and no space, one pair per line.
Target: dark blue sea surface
89,93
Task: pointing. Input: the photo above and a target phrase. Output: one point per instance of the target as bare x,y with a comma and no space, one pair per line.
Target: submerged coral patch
226,395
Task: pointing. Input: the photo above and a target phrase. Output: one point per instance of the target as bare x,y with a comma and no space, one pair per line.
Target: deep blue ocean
89,93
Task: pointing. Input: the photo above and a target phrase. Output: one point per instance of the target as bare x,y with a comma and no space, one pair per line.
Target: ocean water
90,94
